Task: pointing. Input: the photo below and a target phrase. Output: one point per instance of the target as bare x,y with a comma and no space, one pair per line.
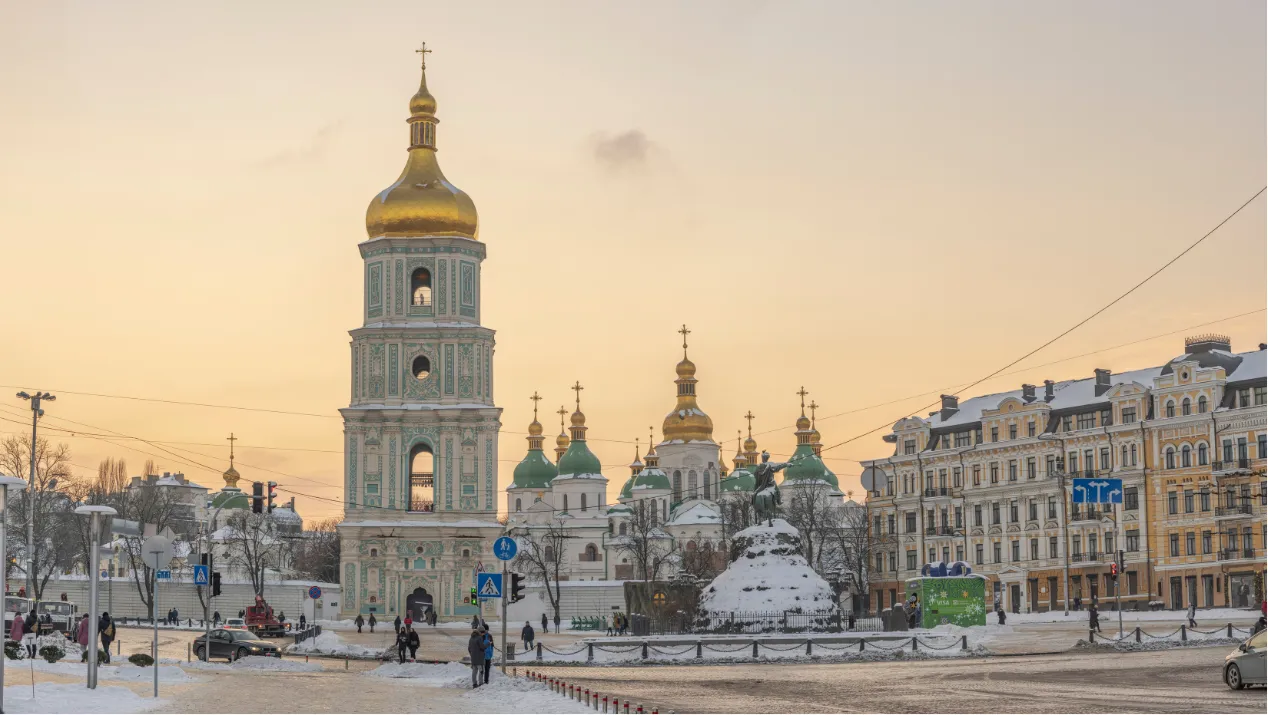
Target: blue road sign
314,592
505,548
163,575
1097,491
489,585
200,575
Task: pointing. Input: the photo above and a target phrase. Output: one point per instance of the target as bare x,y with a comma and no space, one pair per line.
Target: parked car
233,644
1245,666
236,623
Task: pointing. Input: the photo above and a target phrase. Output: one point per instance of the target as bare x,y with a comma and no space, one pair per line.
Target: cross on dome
577,388
535,398
803,394
422,52
684,332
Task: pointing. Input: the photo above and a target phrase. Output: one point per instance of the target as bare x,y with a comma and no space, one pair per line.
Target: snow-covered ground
329,643
258,663
1205,617
501,695
724,649
436,675
75,698
118,670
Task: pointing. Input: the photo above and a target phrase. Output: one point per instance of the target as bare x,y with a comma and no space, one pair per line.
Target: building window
1133,455
1202,405
1107,418
1073,463
1131,498
889,521
893,561
1030,467
996,549
1188,501
1133,539
1129,414
962,439
420,288
1186,456
1012,431
1204,499
995,512
1012,512
959,552
880,563
1261,395
1262,445
1106,464
1228,450
1171,408
977,475
956,480
977,554
1033,510
1076,546
911,560
1085,420
1016,551
1052,507
909,446
1012,470
1052,547
1206,542
1202,456
1066,425
1171,458
1109,542
977,515
1030,428
1034,549
994,472
994,434
959,517
1185,406
911,522
1175,544
1189,547
1243,397
517,505
1172,503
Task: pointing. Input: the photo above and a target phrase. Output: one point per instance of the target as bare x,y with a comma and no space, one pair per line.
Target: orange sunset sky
874,200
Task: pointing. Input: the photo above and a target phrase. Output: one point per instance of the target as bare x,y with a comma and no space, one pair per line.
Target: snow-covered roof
696,514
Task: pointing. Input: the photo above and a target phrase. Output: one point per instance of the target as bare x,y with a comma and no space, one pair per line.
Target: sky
878,201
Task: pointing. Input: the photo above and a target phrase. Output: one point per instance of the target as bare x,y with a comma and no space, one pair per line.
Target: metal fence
683,623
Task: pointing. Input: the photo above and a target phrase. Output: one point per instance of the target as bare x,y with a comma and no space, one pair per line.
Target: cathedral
421,429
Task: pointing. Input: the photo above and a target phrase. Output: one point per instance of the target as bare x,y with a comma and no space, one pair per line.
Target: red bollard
640,710
605,703
587,696
627,706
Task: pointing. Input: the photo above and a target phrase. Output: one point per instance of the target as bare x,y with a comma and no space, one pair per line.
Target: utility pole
36,413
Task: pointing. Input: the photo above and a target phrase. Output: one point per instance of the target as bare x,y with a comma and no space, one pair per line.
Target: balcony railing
946,531
422,479
1087,557
424,506
1238,510
1223,466
1231,554
938,492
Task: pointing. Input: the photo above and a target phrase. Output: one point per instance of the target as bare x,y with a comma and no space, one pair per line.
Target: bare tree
650,550
816,514
737,515
49,505
112,476
149,506
316,552
699,564
253,546
541,556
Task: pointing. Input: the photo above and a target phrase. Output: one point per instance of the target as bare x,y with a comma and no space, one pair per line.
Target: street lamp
95,514
16,484
36,414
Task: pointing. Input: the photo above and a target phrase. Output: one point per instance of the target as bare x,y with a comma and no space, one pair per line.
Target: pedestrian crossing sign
200,575
489,585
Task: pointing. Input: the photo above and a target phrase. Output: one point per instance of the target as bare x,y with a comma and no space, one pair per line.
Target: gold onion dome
687,422
803,423
422,202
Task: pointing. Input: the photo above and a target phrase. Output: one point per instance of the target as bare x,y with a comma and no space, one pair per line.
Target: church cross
684,332
803,394
577,388
535,398
750,417
422,52
231,440
813,407
561,414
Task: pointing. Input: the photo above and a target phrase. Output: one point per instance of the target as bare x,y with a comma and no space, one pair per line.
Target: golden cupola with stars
687,422
422,202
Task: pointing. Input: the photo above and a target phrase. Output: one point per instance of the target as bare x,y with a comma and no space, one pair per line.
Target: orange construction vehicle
262,622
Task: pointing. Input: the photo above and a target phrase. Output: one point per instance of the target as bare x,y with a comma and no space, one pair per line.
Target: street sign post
505,548
163,575
202,576
1096,491
314,592
489,585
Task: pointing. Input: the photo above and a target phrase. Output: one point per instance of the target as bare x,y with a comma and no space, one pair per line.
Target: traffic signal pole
1118,603
505,587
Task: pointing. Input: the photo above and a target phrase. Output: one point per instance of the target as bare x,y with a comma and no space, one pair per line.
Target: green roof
652,478
231,500
741,480
579,460
534,472
627,490
808,468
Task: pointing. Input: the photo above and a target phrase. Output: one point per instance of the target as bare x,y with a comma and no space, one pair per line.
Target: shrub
52,653
101,656
141,660
13,650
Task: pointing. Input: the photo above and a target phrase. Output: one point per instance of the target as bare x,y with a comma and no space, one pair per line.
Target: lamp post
95,514
36,414
6,483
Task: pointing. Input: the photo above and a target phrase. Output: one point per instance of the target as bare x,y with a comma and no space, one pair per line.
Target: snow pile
519,695
120,669
769,574
75,698
329,643
435,675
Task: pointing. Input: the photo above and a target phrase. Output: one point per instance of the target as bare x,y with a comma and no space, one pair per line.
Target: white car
236,623
1245,666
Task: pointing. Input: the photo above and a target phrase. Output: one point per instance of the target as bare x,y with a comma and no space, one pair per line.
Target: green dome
534,472
741,480
652,478
809,468
579,460
627,490
231,500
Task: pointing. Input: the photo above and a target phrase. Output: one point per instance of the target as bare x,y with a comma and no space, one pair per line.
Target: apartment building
987,481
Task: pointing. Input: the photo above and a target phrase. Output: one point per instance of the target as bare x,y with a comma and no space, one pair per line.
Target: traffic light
1114,571
257,497
272,495
474,597
517,587
215,583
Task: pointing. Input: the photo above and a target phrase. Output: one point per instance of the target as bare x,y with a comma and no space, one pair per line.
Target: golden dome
231,477
687,422
422,202
750,444
686,368
815,437
803,423
578,419
534,428
562,440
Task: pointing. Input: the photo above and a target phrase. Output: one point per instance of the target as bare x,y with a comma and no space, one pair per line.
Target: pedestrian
488,652
414,641
999,613
1078,602
475,649
303,622
402,644
176,617
1193,612
396,624
31,628
1094,620
1259,625
372,622
242,613
475,622
18,628
851,620
81,635
105,630
545,628
359,621
527,634
215,618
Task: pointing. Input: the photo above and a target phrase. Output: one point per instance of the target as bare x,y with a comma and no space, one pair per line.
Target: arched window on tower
677,485
708,477
620,529
420,288
692,486
1202,405
421,367
1186,456
517,504
1202,456
422,491
549,553
591,553
583,502
565,502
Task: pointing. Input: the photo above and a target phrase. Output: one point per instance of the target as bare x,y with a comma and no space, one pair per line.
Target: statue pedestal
768,577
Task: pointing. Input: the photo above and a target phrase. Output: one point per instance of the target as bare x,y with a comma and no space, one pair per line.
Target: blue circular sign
314,592
504,548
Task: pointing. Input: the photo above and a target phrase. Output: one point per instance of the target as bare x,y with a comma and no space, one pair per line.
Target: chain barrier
1172,633
658,650
555,652
1206,633
825,646
881,647
733,650
1247,631
933,647
620,650
795,646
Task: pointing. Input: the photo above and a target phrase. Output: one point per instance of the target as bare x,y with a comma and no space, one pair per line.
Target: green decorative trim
453,284
375,278
352,469
449,368
466,365
439,290
415,250
449,471
488,471
415,389
391,472
393,370
376,370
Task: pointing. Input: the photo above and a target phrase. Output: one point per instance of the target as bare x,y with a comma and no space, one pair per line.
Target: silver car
1245,666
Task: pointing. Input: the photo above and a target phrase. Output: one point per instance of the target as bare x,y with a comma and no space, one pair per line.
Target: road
1179,680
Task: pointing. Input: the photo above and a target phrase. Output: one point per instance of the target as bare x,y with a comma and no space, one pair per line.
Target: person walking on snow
475,623
999,613
396,624
105,630
402,644
488,652
31,628
359,621
1193,612
81,635
545,628
215,618
372,622
527,636
17,629
413,641
475,649
303,622
1094,620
